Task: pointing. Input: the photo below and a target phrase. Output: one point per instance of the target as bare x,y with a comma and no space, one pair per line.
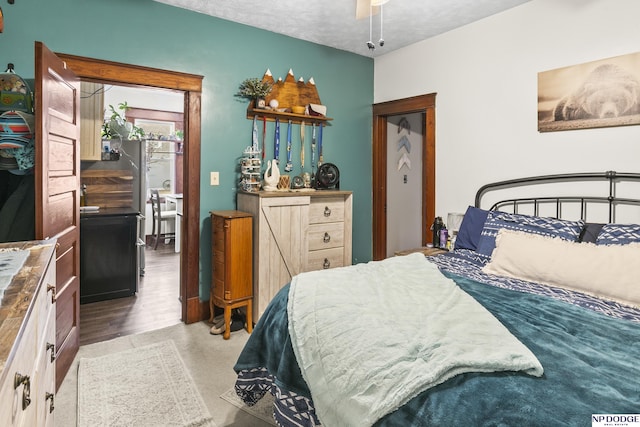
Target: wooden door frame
417,104
193,310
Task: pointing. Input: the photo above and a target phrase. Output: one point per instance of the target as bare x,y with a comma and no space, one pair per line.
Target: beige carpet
144,386
209,359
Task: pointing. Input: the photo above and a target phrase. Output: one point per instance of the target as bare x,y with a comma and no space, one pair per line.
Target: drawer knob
52,347
326,264
19,379
52,288
47,397
326,238
327,211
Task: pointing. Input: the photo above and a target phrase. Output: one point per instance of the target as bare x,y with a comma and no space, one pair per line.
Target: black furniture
108,254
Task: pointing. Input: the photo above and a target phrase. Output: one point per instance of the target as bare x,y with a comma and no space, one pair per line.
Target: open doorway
404,181
423,104
149,158
193,309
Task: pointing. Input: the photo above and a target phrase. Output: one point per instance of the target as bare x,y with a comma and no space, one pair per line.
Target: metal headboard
610,199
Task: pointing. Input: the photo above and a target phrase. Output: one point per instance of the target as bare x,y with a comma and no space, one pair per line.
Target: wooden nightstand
232,264
425,250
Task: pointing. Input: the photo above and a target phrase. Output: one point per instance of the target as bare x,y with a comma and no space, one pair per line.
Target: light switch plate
215,178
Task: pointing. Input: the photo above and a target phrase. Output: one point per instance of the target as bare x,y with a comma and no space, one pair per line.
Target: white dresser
295,232
27,338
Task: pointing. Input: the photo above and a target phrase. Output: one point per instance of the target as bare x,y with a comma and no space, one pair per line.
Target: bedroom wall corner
485,75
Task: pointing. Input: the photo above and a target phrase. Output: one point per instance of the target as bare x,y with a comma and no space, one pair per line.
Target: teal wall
152,34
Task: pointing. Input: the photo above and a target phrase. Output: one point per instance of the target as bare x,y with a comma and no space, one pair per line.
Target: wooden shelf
271,116
289,93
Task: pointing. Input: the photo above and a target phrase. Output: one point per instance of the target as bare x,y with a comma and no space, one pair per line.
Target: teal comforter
591,366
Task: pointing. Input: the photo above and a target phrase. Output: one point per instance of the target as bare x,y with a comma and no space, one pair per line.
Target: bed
533,319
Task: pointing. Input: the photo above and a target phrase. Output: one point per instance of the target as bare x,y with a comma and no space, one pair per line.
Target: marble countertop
16,303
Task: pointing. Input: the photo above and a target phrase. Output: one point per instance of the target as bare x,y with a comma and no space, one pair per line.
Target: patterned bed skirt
289,408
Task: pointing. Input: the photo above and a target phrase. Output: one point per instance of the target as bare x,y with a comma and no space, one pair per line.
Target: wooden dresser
295,232
27,338
232,284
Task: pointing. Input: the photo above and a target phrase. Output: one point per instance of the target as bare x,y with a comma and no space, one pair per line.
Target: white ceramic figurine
271,176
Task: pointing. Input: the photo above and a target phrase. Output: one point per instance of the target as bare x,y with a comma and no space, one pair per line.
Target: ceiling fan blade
363,9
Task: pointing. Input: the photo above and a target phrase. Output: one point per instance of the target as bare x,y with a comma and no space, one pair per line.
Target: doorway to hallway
423,104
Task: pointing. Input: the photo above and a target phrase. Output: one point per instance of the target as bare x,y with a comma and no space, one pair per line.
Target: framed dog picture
591,95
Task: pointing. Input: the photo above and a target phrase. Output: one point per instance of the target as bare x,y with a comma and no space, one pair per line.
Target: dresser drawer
219,275
219,289
10,397
218,233
218,263
325,258
326,236
218,243
46,377
44,304
326,209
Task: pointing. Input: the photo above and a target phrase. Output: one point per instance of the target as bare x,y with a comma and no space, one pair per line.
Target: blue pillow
552,227
470,228
618,234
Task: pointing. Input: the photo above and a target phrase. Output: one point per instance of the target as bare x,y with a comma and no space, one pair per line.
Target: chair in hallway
159,217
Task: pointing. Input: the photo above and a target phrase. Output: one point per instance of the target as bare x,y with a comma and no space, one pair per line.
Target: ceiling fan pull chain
381,42
370,44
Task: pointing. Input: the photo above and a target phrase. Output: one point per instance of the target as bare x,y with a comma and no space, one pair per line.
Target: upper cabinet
91,119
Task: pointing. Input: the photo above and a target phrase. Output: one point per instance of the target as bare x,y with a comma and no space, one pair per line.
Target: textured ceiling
333,22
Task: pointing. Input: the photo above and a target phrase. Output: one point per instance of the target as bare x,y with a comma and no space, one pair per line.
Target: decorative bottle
444,237
438,224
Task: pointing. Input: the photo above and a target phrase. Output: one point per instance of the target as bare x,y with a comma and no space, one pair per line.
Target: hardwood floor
155,306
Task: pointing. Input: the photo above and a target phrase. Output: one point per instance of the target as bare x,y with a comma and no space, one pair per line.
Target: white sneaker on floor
218,326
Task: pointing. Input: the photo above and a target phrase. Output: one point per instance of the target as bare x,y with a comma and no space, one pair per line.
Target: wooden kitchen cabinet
232,275
91,120
27,338
296,232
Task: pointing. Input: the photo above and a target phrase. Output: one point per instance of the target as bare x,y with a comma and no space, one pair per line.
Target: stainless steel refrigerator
133,159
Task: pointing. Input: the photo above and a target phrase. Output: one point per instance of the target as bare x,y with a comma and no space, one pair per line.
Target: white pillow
607,271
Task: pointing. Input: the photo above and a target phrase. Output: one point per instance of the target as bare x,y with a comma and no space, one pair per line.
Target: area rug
263,409
143,386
